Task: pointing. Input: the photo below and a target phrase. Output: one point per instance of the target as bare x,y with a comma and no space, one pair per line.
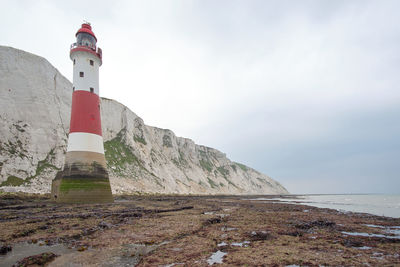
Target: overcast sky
307,92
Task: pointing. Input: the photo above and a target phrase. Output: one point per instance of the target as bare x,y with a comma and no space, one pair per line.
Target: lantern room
86,41
85,36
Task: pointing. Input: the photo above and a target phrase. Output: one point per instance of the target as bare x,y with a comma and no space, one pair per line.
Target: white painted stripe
85,142
90,77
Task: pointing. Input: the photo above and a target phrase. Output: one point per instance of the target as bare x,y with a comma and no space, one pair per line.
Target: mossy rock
85,184
13,181
82,190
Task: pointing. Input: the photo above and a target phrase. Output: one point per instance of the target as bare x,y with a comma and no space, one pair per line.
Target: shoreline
160,230
380,205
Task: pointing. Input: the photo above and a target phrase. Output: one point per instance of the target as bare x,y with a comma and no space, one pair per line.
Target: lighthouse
84,177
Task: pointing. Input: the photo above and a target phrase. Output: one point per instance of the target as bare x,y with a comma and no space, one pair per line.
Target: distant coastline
377,204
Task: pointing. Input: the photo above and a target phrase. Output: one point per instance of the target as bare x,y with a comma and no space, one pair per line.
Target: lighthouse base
82,183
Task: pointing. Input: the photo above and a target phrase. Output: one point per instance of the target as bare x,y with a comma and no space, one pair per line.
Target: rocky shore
168,230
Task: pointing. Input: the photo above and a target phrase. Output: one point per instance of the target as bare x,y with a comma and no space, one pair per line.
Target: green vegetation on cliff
40,168
118,154
206,165
12,181
243,167
119,157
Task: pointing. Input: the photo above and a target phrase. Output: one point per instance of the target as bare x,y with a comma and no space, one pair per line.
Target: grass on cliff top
243,167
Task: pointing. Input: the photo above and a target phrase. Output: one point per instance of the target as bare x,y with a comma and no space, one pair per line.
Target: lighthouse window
86,39
81,74
74,61
91,62
73,88
91,89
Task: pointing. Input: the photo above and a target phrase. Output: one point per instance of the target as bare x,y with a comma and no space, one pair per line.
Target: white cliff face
35,102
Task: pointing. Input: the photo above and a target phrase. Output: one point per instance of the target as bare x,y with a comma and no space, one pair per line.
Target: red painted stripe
85,113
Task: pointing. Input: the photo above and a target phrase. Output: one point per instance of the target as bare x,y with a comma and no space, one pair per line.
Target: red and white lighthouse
84,177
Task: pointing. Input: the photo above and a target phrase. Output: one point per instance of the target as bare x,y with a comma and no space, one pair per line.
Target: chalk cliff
35,102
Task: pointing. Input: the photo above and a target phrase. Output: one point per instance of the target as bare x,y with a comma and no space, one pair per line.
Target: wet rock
22,207
105,225
213,221
292,233
43,227
128,215
316,223
82,248
352,243
260,235
89,231
50,242
37,260
169,210
224,228
76,236
24,233
5,249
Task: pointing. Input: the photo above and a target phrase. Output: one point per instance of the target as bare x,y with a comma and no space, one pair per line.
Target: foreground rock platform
197,231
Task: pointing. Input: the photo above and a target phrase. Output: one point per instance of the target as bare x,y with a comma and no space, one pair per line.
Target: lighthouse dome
86,37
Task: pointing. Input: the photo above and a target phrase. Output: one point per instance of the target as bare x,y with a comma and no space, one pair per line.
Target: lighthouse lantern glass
85,39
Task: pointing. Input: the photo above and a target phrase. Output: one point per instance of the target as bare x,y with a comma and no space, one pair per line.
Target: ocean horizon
377,204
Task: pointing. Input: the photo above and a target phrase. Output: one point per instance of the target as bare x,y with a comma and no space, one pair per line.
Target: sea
377,204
